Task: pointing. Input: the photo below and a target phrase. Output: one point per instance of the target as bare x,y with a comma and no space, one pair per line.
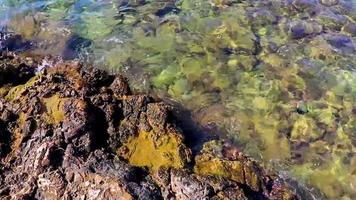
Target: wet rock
73,46
189,187
120,86
308,6
237,169
71,132
350,28
342,43
15,73
13,42
301,29
183,184
262,17
223,160
331,20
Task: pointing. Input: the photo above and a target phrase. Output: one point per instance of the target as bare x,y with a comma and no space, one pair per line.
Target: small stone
304,5
342,43
329,2
300,29
331,20
350,28
232,63
302,108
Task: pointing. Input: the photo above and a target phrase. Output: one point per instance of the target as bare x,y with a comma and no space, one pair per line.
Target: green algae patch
334,178
192,68
17,135
97,24
55,109
179,88
4,90
218,160
166,77
275,147
219,167
241,171
21,119
15,92
154,151
305,129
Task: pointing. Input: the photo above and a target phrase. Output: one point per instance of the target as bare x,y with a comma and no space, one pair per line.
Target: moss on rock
214,166
219,160
55,109
154,151
15,92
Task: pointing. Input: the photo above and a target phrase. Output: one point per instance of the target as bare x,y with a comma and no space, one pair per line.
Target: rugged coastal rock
71,132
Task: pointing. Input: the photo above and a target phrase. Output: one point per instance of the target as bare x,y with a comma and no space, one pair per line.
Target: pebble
329,2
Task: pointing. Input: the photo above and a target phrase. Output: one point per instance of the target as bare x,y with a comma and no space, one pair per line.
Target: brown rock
72,132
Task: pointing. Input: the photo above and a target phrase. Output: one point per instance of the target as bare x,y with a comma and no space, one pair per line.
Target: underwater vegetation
277,77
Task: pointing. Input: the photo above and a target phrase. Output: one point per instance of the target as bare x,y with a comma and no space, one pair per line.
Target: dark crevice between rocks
15,75
117,116
56,156
100,136
167,10
5,191
28,128
5,137
250,194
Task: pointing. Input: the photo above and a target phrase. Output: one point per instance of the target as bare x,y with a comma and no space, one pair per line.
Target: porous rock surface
71,132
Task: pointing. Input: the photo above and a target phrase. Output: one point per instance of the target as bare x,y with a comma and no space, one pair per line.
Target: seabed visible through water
276,77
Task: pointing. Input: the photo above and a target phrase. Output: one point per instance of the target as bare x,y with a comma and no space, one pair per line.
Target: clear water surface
276,77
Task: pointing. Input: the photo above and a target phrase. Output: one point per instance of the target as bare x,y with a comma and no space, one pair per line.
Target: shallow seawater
276,77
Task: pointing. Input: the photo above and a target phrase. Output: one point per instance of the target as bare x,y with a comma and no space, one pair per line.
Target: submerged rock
329,2
13,42
72,132
350,28
302,29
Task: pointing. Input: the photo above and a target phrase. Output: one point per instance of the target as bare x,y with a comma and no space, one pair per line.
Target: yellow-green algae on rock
54,105
55,108
233,170
255,60
220,159
211,162
154,151
15,92
4,90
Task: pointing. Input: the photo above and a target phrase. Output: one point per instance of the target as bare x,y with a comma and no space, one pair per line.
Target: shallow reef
75,132
275,77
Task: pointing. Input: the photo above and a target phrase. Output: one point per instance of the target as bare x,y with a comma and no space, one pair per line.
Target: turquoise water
278,78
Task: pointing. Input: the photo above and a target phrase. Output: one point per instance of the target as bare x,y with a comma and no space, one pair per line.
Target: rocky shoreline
72,132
